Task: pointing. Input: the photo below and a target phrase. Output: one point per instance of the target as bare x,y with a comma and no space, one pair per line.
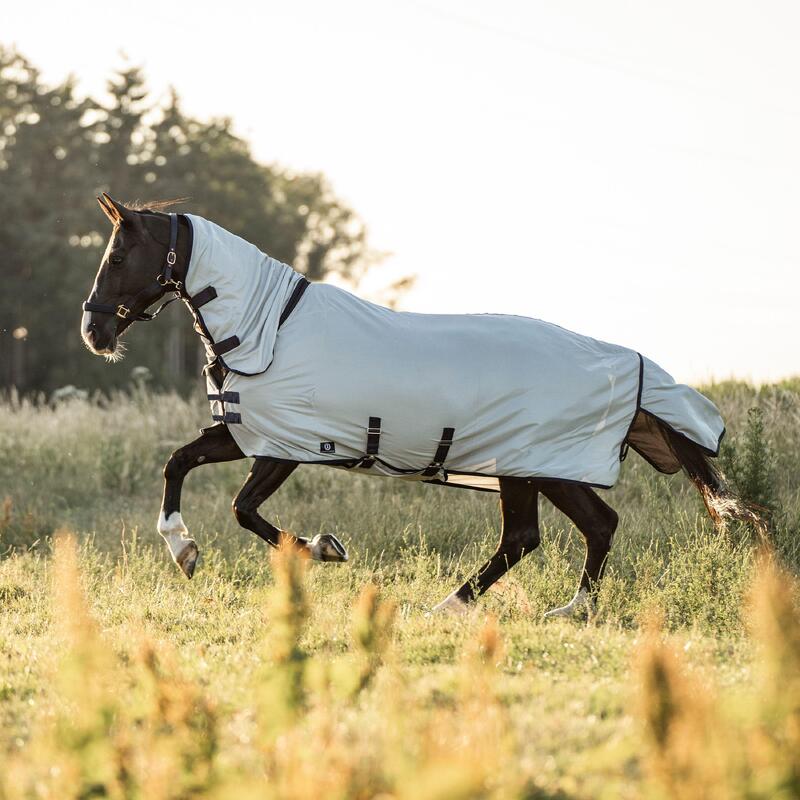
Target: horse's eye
115,260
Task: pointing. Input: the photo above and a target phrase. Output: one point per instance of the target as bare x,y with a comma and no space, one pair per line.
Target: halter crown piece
163,279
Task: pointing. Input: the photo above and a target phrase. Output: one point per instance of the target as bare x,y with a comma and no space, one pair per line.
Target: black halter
147,295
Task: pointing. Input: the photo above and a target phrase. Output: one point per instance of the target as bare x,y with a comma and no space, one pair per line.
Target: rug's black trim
198,317
320,462
354,462
623,447
299,291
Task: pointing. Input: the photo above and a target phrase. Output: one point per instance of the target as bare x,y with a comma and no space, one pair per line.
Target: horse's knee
177,466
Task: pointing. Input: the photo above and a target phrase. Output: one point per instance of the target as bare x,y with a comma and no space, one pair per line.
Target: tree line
58,150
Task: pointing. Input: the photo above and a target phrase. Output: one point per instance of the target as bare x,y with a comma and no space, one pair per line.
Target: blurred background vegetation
59,149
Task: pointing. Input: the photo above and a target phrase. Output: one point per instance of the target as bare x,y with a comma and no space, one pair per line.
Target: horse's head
135,272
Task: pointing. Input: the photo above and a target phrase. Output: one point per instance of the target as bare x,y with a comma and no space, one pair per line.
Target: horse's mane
155,206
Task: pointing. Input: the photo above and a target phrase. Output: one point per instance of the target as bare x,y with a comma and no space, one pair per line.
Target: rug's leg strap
373,442
441,452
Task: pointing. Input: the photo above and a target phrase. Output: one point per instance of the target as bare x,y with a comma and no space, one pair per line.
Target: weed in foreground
748,748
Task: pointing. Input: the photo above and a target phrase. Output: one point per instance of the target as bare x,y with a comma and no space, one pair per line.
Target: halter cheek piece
163,279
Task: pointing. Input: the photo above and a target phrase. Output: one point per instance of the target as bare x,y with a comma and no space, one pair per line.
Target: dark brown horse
147,257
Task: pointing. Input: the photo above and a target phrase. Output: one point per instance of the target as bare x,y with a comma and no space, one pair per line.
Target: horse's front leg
214,445
265,479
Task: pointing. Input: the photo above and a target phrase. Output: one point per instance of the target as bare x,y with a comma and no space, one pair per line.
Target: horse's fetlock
171,523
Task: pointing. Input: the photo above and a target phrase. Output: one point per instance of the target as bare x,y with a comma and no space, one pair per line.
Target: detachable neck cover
251,290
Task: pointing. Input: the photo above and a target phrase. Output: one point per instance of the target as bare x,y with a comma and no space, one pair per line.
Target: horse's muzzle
100,336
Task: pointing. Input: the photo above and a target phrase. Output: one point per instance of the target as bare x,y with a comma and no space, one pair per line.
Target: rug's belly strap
373,445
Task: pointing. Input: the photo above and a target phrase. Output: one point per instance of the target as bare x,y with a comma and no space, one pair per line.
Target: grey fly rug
317,375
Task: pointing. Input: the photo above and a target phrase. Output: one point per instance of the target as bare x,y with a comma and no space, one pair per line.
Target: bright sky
628,170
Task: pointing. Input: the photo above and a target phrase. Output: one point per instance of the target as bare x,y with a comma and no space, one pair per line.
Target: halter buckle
172,257
162,280
123,311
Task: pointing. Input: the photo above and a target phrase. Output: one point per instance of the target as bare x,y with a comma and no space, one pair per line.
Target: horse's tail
722,502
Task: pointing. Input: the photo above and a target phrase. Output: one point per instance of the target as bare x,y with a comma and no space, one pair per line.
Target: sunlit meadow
270,677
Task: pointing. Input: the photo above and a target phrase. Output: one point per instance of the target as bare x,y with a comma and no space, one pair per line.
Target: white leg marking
183,549
580,600
452,604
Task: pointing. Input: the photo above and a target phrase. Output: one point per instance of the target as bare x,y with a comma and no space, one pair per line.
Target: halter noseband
163,279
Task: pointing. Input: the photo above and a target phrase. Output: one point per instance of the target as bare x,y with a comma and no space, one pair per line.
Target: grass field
265,677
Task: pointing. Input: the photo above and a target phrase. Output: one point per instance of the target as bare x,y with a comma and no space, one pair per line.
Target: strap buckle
163,280
123,311
172,257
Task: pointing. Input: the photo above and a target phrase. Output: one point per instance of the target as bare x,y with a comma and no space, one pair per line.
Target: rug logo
327,447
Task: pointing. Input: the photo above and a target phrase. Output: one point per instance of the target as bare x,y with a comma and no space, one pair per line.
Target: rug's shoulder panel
526,398
684,409
251,291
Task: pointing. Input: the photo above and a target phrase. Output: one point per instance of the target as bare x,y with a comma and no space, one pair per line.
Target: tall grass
266,676
129,724
745,746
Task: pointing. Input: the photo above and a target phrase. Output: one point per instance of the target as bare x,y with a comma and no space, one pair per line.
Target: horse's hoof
326,547
183,550
580,601
452,604
187,558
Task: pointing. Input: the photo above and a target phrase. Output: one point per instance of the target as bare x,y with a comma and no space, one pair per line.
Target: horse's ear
109,211
121,215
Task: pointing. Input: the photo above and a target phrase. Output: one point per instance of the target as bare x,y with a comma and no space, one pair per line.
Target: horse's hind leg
519,499
264,480
214,445
597,521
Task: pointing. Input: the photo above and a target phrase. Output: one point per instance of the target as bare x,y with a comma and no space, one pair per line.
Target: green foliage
749,462
57,152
